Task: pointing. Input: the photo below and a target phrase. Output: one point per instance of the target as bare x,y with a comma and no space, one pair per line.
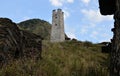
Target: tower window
55,15
55,24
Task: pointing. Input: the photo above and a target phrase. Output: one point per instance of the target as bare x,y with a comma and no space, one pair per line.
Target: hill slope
37,26
62,59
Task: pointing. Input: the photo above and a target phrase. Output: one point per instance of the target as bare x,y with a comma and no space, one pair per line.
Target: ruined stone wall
57,31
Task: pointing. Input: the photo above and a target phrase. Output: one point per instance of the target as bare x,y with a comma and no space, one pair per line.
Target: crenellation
59,10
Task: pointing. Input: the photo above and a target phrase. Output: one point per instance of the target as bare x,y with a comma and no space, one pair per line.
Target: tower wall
57,31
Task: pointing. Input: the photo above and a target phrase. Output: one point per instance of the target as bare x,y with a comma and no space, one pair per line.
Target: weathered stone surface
16,43
115,46
57,31
115,52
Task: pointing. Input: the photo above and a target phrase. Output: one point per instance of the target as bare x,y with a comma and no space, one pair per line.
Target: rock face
115,46
107,7
16,43
115,52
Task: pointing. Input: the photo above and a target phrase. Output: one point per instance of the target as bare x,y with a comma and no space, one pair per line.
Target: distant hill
37,26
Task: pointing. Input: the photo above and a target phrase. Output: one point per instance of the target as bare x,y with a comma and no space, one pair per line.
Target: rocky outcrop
16,43
115,51
107,7
113,7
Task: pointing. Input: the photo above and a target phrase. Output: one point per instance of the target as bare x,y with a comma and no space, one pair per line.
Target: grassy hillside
69,58
37,26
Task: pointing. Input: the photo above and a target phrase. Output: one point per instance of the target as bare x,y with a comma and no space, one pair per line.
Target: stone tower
57,31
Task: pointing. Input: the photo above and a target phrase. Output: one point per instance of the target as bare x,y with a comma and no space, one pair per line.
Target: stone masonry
57,31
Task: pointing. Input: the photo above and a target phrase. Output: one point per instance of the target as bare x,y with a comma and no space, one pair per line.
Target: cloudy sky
82,18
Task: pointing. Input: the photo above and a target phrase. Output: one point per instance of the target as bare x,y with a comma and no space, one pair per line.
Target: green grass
69,58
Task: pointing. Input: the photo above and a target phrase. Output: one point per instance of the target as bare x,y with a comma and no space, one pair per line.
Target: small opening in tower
55,24
55,15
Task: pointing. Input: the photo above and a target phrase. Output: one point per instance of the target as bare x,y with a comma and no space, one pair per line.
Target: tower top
54,10
57,10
